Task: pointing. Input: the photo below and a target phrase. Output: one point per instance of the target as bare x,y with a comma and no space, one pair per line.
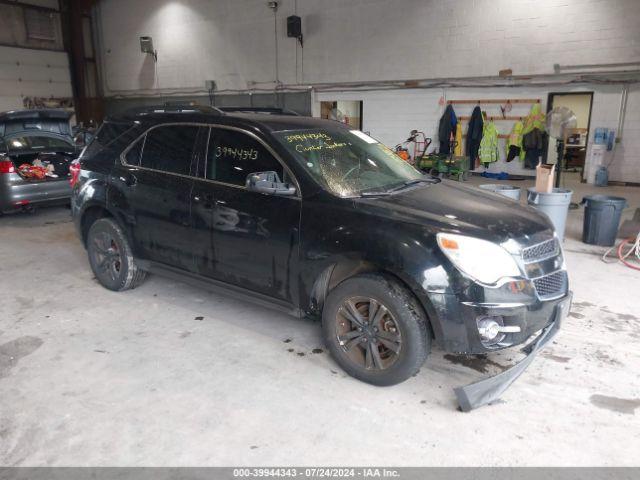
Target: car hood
454,207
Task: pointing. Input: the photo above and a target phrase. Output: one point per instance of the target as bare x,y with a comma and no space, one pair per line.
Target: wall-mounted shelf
493,118
495,101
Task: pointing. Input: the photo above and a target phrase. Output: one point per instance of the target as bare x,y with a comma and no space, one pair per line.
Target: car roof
43,113
261,118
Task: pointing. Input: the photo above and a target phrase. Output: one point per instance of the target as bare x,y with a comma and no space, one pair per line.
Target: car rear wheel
110,256
375,329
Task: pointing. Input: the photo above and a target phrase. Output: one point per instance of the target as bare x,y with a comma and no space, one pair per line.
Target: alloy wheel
367,333
107,255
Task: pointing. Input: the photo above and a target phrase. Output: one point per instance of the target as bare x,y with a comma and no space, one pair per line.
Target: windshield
38,142
347,162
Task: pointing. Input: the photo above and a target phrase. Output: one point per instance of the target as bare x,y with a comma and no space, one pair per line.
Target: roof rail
174,107
267,110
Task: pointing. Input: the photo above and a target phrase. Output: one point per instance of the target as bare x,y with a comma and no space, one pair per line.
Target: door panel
158,187
254,237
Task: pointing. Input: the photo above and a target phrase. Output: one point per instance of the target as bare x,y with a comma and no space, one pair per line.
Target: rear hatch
38,143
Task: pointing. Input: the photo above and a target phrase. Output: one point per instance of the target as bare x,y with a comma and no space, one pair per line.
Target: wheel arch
89,216
338,272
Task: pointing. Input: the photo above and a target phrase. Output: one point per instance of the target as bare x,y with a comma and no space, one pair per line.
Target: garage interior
170,375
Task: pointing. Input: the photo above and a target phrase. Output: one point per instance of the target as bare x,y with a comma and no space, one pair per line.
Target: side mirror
268,182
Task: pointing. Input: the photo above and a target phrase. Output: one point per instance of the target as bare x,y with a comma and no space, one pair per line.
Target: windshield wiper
375,194
408,183
414,181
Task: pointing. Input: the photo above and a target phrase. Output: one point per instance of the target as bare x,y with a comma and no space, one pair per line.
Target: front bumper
454,319
489,390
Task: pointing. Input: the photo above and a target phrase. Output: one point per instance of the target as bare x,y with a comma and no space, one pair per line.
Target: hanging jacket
535,119
515,140
474,135
489,144
515,137
446,128
458,149
532,140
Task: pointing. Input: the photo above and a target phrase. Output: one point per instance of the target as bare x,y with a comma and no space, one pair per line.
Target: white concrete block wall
626,159
232,41
25,73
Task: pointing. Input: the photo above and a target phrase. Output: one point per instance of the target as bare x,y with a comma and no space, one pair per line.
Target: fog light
492,329
489,328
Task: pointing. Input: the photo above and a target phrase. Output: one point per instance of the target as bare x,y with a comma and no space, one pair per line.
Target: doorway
575,139
344,111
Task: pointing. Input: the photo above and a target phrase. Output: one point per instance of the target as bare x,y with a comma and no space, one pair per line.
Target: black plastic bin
602,219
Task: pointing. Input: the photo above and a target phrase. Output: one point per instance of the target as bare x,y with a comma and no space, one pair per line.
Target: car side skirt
217,286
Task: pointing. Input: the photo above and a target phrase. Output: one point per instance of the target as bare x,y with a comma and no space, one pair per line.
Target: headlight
481,260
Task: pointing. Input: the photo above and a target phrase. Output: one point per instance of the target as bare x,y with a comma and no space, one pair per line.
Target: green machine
442,165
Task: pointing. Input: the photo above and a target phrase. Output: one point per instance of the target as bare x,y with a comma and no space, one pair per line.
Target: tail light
6,166
74,170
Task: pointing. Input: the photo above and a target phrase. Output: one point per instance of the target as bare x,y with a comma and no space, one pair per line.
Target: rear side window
169,148
232,155
108,139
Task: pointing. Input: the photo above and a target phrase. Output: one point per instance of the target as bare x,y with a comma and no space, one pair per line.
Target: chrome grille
541,251
552,285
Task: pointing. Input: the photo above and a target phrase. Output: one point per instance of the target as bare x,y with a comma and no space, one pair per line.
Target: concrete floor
168,375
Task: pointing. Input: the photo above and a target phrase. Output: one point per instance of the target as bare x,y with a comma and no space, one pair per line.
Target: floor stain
300,354
583,304
626,316
185,334
287,340
317,350
11,352
25,302
479,363
605,358
615,404
576,315
556,358
290,350
199,318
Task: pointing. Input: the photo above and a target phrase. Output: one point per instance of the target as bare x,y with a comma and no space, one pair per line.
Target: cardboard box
545,175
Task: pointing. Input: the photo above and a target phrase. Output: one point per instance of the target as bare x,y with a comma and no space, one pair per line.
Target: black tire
400,336
110,256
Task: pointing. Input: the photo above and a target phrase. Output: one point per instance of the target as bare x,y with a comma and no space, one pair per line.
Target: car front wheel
375,329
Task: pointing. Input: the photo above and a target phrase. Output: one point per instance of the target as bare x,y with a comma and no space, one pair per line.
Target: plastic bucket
601,219
508,191
555,205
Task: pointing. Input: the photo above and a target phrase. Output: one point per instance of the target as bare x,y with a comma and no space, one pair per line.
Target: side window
169,148
232,156
133,155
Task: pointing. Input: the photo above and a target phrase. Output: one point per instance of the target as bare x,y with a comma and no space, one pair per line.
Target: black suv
317,219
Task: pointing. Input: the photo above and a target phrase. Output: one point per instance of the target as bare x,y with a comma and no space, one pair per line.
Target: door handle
206,200
129,180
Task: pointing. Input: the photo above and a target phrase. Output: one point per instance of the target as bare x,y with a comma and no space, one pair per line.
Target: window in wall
234,155
40,24
169,148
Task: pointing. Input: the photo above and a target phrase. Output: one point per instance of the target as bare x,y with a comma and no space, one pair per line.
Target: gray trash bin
602,219
554,204
508,191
